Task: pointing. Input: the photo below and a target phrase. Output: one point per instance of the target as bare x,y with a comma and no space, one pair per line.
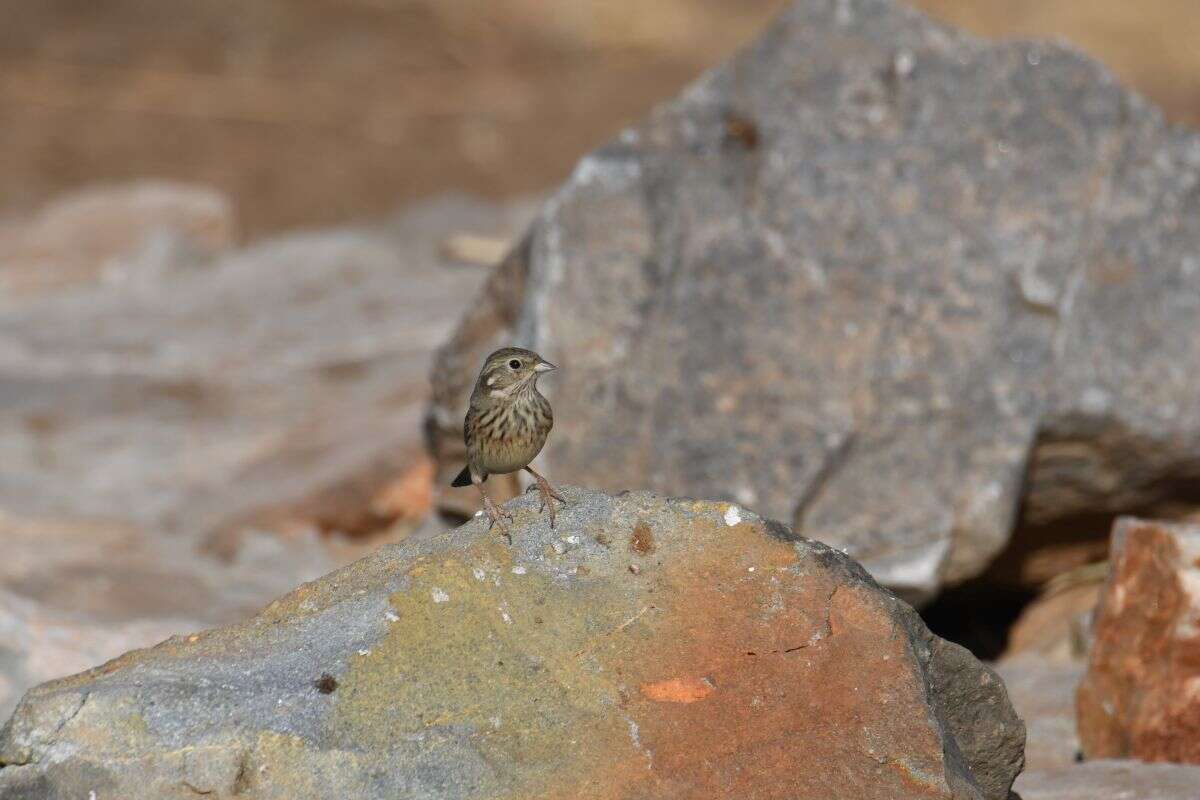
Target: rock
1056,625
37,645
1111,780
190,399
1140,697
1043,693
75,593
106,232
868,245
260,379
392,493
738,661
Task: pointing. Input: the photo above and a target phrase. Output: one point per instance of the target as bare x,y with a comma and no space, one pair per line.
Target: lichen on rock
740,660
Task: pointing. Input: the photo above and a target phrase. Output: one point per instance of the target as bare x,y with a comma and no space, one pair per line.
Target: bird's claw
548,496
495,515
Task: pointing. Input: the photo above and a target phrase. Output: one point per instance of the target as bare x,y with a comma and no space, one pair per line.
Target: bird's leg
547,493
494,512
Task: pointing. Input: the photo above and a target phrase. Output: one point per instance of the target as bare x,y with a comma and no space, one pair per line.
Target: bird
506,426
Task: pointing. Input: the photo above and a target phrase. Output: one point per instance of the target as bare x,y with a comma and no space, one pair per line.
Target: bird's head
511,367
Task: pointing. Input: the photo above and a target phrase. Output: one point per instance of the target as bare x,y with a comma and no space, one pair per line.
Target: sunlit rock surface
646,648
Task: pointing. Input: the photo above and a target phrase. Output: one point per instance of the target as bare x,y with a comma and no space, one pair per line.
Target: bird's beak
544,366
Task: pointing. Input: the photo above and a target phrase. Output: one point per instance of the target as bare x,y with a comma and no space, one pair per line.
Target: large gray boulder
648,647
861,277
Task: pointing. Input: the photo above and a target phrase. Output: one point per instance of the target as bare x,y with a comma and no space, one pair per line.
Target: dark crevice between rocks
1041,554
977,616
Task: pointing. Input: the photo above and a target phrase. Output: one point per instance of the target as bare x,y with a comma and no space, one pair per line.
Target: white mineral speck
364,652
733,516
1036,290
478,573
391,616
518,570
439,596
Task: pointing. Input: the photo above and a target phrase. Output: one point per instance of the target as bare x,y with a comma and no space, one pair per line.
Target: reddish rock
741,662
408,497
1141,695
1056,625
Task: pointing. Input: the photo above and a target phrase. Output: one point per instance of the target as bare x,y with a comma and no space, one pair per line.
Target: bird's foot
548,496
496,515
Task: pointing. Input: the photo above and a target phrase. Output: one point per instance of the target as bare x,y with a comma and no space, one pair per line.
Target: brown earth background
312,112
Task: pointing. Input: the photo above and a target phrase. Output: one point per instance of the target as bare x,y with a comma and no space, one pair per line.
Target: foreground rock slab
869,245
647,648
1140,697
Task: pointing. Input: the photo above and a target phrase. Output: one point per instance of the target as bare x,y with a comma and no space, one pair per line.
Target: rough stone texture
1111,780
1043,694
869,246
75,593
736,661
1141,695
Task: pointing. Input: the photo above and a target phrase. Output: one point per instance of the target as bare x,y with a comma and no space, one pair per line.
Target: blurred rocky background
313,111
233,236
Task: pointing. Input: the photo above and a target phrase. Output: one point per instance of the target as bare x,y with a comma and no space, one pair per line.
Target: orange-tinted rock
1055,625
409,497
1141,695
738,663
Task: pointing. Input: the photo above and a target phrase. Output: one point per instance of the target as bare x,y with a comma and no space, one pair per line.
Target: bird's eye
514,364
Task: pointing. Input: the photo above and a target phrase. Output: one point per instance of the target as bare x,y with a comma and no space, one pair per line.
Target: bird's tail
463,479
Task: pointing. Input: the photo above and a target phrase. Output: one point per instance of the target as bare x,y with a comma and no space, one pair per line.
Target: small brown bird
507,424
